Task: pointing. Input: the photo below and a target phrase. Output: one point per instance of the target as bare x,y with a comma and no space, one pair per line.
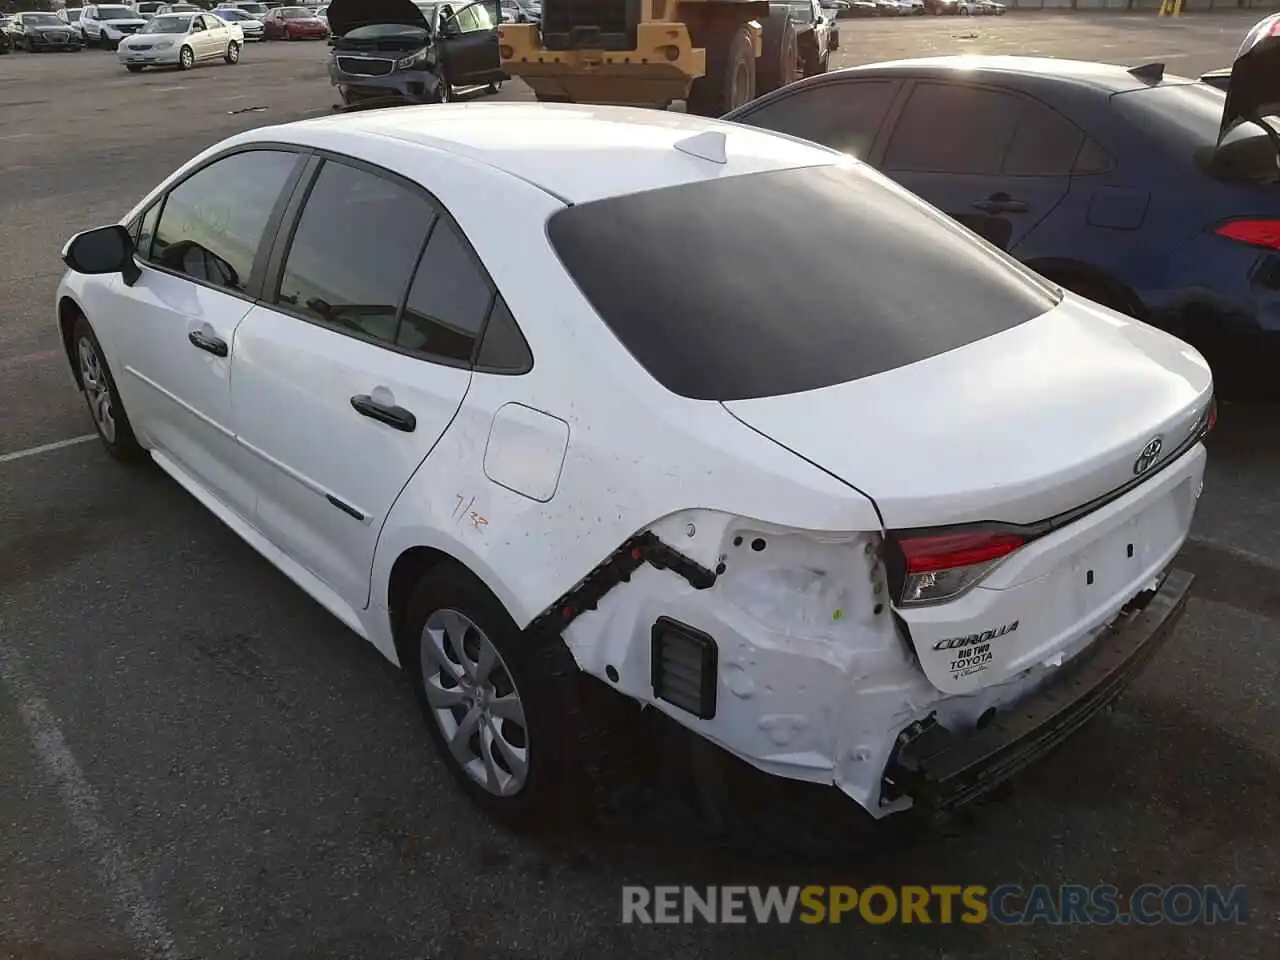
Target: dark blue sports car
1148,193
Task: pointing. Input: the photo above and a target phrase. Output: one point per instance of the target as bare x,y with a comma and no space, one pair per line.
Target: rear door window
953,128
353,251
855,277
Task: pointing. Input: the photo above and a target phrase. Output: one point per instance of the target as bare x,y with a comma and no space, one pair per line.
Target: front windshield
116,13
41,20
232,14
169,23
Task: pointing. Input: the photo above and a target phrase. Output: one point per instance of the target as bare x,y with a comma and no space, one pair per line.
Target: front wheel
186,58
444,89
101,395
494,86
232,55
730,80
105,43
133,67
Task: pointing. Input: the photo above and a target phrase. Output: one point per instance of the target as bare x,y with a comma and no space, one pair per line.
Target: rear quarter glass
787,281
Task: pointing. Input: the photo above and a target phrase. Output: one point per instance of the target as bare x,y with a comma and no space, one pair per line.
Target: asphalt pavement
197,761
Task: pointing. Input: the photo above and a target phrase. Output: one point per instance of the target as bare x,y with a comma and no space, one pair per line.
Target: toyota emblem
1150,454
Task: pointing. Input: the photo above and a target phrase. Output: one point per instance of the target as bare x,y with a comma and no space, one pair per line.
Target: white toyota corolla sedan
568,409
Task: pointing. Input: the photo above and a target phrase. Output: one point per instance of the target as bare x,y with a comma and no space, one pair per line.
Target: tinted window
952,128
352,254
843,116
448,301
1093,158
1045,143
212,223
504,349
858,278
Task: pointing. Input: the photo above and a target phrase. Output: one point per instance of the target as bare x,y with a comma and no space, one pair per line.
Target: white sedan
181,40
517,393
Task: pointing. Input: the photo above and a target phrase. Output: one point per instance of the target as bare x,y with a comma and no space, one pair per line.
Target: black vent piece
590,24
683,662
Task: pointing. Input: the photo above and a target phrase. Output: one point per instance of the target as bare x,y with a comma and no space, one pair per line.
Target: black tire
123,445
444,89
547,681
133,67
779,63
494,86
232,56
730,80
104,43
186,58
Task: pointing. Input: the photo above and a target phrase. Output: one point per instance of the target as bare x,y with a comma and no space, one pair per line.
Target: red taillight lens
1213,406
951,550
1256,233
943,566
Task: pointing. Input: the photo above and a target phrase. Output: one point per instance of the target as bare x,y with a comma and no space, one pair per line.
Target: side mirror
101,251
450,28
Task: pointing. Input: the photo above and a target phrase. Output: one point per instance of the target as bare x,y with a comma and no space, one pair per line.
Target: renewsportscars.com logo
1008,904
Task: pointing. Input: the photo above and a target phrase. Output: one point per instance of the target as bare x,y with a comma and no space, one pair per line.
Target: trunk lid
1016,427
1025,426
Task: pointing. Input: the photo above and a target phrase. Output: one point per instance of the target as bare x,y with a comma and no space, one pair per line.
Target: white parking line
16,136
145,923
46,448
168,89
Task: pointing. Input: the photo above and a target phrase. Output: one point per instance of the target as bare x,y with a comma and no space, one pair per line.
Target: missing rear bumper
941,770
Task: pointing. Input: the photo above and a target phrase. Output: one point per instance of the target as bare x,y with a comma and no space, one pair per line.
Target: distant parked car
252,27
39,32
294,23
105,25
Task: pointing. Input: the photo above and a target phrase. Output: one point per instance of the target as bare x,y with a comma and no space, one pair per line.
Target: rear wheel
444,89
503,711
730,80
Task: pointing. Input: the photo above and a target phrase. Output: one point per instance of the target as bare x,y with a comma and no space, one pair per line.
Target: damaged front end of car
383,54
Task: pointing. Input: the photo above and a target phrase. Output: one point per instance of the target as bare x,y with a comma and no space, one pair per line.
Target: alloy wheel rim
233,53
187,58
96,390
475,703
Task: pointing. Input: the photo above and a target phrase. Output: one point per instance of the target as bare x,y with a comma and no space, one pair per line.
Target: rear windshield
1187,117
785,281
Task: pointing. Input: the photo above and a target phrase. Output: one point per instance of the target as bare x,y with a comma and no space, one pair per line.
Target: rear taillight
1255,232
938,567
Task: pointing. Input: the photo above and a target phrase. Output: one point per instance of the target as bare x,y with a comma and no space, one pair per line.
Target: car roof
576,152
1107,77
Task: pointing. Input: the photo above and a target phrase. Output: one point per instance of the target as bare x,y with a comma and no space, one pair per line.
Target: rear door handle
397,418
1001,203
215,345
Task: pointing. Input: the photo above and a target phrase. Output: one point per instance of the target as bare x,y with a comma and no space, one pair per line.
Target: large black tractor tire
779,63
730,80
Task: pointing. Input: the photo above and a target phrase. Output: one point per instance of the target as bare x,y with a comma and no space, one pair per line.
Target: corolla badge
1150,454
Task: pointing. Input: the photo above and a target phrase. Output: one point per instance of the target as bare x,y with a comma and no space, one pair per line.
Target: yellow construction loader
712,54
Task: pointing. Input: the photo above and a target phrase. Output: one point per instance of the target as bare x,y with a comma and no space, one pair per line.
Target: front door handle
1001,203
395,417
215,345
